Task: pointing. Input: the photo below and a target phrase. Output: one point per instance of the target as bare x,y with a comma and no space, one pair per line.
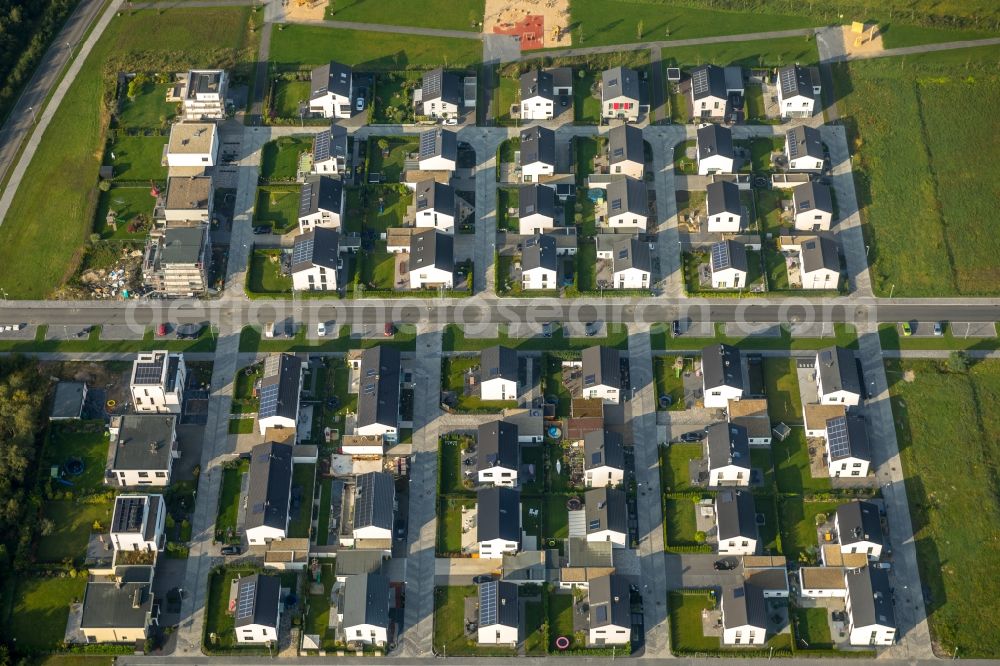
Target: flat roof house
539,263
626,151
601,368
628,205
815,417
143,449
68,401
280,388
204,94
729,265
725,210
538,153
537,95
374,501
440,94
804,149
189,200
331,91
620,94
498,522
722,375
819,263
728,449
497,457
606,512
536,209
715,150
744,615
137,523
848,451
378,401
499,615
329,151
432,260
631,260
797,94
316,260
269,492
872,618
118,608
736,522
157,382
859,528
603,458
837,380
610,612
708,92
498,367
321,203
176,263
438,150
192,146
435,206
258,609
813,206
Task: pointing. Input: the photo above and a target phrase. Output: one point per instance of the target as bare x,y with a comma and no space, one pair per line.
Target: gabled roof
606,509
378,399
859,522
537,200
728,444
330,143
625,144
729,254
144,442
257,599
332,77
366,600
715,140
497,446
794,80
498,514
538,144
439,84
498,604
743,605
627,195
812,196
708,81
736,514
374,496
498,362
432,195
819,252
321,193
721,365
432,248
110,604
603,448
67,403
318,247
601,366
838,370
847,437
438,142
620,82
536,83
723,197
871,597
269,484
539,252
803,141
279,387
610,602
627,251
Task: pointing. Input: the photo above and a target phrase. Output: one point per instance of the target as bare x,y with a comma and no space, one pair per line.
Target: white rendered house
499,615
157,382
137,523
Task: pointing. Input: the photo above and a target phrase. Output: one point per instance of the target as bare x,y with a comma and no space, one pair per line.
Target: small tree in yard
958,361
699,537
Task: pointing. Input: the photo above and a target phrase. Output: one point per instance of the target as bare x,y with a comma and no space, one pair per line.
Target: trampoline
562,642
73,467
574,504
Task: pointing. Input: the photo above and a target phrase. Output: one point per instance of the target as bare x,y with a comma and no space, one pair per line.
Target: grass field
449,624
953,513
811,626
60,183
280,158
680,519
781,384
41,607
897,35
441,14
73,524
137,157
394,97
277,207
954,338
685,621
756,53
149,108
675,467
391,165
128,203
303,480
263,275
798,525
229,502
667,382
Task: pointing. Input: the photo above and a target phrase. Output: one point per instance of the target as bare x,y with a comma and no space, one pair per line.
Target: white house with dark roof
498,522
859,528
329,151
715,150
435,205
537,153
562,80
539,263
628,205
537,209
537,95
157,382
725,210
438,150
751,414
812,204
606,514
870,612
374,500
497,454
601,369
819,263
378,399
440,94
321,203
837,379
728,448
722,375
363,609
804,149
631,260
499,614
626,151
498,373
257,609
118,608
137,523
330,93
143,449
280,388
729,265
269,493
432,260
176,263
620,94
316,260
610,611
736,522
744,615
603,458
708,92
797,92
848,450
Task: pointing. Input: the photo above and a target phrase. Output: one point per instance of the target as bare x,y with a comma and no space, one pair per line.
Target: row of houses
714,91
541,90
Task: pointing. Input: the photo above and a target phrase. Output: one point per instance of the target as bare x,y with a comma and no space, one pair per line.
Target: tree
700,537
104,185
958,361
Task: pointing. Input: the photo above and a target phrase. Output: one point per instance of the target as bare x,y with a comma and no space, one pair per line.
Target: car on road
591,329
231,550
360,105
321,330
725,564
261,230
693,436
389,329
675,327
161,330
938,328
907,329
482,578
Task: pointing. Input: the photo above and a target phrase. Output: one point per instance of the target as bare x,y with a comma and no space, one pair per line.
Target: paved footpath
663,140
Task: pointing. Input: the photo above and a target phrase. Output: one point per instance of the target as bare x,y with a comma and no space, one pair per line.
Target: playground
539,24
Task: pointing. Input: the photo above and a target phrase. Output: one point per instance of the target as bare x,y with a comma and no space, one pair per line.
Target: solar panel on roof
618,152
321,146
838,441
616,204
788,83
303,251
720,257
427,142
244,603
271,365
699,82
595,525
602,613
488,604
268,400
149,372
738,593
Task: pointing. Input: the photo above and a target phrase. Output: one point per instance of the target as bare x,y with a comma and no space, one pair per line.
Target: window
161,475
143,475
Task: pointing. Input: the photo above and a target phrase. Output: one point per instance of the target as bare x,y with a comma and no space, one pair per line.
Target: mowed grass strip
754,53
440,14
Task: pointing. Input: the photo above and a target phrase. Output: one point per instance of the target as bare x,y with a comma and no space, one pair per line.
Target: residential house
331,91
143,449
797,94
815,417
610,611
529,422
812,204
137,523
438,150
859,528
537,96
321,203
374,503
752,415
157,382
440,94
728,449
280,388
603,458
537,210
601,368
715,150
68,401
725,210
708,92
526,567
363,609
606,512
837,380
539,263
620,94
432,260
587,561
628,205
499,615
729,265
498,373
355,562
848,451
870,612
258,608
538,153
118,608
819,263
626,151
378,402
435,206
316,260
744,615
329,152
768,573
736,522
822,582
497,455
204,94
631,260
268,494
804,149
192,146
177,262
189,201
562,80
722,375
498,522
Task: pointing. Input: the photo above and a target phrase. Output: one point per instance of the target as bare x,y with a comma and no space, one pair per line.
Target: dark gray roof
333,77
729,254
601,366
812,196
627,195
728,444
539,252
625,144
734,77
871,597
439,84
538,144
603,447
374,496
838,370
257,599
153,507
609,598
620,82
723,197
736,514
627,251
498,514
562,77
438,142
820,252
320,193
110,605
432,248
498,604
536,83
721,365
130,515
432,195
350,562
859,521
794,80
847,437
743,605
378,401
708,81
183,245
144,442
331,142
269,485
498,361
319,247
279,387
715,140
497,445
537,199
803,141
606,509
67,403
366,600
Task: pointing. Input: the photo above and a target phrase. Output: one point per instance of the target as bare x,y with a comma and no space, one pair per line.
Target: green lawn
534,617
455,340
668,382
73,524
317,621
810,625
798,526
86,440
781,384
682,163
387,203
128,203
552,383
586,149
449,624
241,426
450,465
286,98
561,619
264,277
391,165
507,94
277,207
508,198
40,610
378,267
150,107
756,53
301,45
442,14
556,516
60,183
953,338
775,267
280,158
676,477
685,622
137,158
453,379
586,105
229,501
680,519
218,620
449,536
791,465
323,521
303,478
897,35
394,97
768,533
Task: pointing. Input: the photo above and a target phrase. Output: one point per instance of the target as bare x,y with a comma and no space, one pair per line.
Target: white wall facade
823,278
609,394
729,475
804,163
498,388
718,397
537,108
530,173
538,278
617,539
135,540
797,106
316,278
430,276
388,433
438,108
372,532
875,634
331,106
256,633
724,223
497,634
366,633
744,635
729,278
627,220
709,107
737,546
259,536
535,223
499,476
495,549
602,476
849,467
431,219
322,218
610,634
628,109
714,164
631,278
436,163
813,220
628,168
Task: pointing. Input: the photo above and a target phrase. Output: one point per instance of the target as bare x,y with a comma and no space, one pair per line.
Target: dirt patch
909,376
539,23
307,11
860,40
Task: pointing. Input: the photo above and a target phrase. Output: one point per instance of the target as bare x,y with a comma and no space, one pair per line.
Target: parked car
321,330
591,329
188,331
675,327
547,329
389,330
451,121
161,330
693,436
725,564
231,550
360,106
938,328
261,230
907,329
482,578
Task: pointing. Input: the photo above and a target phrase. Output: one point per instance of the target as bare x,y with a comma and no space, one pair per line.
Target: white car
321,330
360,106
451,121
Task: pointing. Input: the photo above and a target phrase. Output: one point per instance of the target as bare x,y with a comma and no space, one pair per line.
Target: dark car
189,331
693,436
260,231
725,565
675,327
231,550
400,529
389,330
482,578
